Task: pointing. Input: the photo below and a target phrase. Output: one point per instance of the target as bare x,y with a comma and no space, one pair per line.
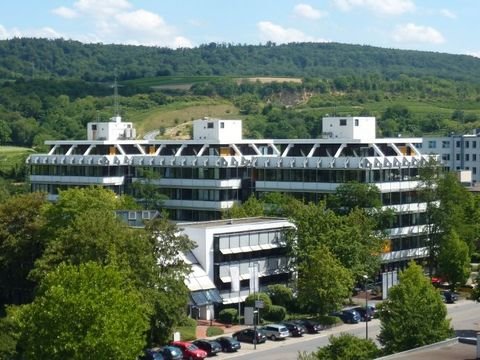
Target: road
465,317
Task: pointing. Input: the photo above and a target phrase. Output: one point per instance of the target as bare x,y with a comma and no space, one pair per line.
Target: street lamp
365,277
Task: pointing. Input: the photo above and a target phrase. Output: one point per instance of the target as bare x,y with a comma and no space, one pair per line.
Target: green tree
147,190
348,347
323,283
280,295
353,195
454,260
84,312
21,244
267,302
414,314
250,208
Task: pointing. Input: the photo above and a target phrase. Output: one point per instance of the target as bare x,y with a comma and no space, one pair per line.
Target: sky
450,26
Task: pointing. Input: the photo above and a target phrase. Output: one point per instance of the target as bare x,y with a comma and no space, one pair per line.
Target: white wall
113,130
217,129
348,127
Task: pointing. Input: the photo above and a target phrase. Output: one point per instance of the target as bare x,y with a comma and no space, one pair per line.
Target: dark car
249,335
228,344
348,316
448,296
294,329
163,353
153,354
310,326
366,314
210,346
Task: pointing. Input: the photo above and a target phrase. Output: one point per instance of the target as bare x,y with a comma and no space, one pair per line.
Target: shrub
275,313
280,295
228,316
250,301
476,257
328,321
214,331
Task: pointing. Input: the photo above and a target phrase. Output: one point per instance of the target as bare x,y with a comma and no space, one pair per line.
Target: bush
250,301
275,313
214,331
187,327
329,321
476,257
280,295
228,316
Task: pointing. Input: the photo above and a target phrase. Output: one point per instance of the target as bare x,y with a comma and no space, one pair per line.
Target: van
276,331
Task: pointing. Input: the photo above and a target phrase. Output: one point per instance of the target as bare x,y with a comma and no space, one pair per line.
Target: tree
353,195
280,295
21,244
414,314
323,283
267,302
250,208
88,311
348,347
165,287
454,260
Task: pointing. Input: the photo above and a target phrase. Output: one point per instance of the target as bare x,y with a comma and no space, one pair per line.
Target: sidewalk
203,325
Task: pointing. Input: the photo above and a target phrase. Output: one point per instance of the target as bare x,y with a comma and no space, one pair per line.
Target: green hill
22,57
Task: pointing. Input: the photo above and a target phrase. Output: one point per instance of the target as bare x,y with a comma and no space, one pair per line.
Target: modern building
204,176
458,153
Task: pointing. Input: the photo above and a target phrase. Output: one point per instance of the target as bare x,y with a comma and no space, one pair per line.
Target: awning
206,297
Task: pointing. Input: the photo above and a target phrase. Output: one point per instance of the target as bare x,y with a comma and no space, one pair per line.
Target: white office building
218,168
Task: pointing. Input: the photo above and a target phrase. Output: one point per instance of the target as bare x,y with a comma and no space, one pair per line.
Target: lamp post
365,277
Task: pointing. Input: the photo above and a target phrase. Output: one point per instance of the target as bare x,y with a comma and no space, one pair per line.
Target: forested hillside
23,57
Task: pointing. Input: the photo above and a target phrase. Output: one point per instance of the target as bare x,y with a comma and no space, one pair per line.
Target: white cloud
381,7
44,32
472,53
65,12
308,12
117,21
411,33
449,14
278,34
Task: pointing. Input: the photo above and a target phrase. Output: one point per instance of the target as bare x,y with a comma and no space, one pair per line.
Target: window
446,157
222,125
445,144
474,170
94,127
343,122
457,156
467,157
432,144
146,215
457,144
132,215
356,122
474,144
210,125
474,157
467,144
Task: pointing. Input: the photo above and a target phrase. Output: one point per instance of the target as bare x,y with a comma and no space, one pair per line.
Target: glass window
445,144
356,122
210,125
343,122
432,144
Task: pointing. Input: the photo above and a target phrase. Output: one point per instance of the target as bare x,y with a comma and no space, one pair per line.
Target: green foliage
267,302
275,313
84,312
214,331
9,334
187,333
454,260
21,244
475,294
323,283
228,316
414,314
280,295
250,208
327,320
354,195
348,347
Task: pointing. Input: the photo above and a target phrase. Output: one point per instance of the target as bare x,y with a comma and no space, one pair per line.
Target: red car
189,350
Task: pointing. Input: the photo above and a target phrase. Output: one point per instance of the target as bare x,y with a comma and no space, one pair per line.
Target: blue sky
433,25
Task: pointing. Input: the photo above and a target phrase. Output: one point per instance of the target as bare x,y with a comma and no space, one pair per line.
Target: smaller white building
112,130
349,127
217,130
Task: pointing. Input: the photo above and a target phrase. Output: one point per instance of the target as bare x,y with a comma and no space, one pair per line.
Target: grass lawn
11,156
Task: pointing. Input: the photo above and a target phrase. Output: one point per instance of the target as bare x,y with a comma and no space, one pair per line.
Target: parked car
166,352
228,344
294,329
153,354
448,296
348,316
366,314
189,350
275,331
248,335
210,346
310,326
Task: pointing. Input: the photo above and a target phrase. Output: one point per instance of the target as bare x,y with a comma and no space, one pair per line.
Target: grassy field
12,156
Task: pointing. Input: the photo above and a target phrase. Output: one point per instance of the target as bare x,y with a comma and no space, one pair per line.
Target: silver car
276,331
